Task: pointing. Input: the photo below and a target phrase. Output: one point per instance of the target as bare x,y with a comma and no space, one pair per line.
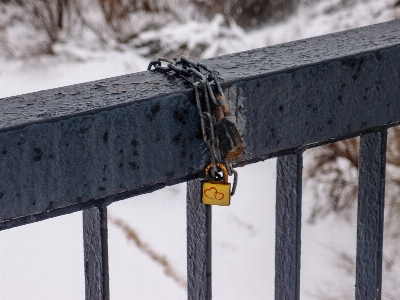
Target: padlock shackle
222,167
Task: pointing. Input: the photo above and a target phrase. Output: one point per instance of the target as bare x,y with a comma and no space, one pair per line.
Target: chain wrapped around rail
219,128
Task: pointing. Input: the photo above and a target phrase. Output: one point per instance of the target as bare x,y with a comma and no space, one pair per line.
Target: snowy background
45,260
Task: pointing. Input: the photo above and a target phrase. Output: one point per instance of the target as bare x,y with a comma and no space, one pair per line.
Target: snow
45,260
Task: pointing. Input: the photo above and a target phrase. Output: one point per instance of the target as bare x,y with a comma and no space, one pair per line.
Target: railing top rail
103,94
66,149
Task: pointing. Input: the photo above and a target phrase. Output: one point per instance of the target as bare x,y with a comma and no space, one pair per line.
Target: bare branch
131,235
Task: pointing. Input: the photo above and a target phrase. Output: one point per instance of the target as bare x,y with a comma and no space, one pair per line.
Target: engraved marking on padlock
213,194
216,192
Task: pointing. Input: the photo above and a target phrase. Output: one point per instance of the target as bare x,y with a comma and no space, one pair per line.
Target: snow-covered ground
45,260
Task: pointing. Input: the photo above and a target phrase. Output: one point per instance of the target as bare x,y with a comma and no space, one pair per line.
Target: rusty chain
202,78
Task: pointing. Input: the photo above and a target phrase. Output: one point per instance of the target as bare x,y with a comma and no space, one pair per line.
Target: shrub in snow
193,38
333,176
248,13
126,18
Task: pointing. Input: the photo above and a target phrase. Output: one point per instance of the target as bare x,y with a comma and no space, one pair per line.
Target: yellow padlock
216,192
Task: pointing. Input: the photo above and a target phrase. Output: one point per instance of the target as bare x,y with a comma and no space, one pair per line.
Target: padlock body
230,141
216,193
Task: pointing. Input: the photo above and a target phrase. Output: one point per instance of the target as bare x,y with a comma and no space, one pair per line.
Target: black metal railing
84,146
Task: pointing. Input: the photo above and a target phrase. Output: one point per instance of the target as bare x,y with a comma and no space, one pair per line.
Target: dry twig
131,235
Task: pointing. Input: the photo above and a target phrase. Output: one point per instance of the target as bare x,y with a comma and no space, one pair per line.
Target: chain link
201,78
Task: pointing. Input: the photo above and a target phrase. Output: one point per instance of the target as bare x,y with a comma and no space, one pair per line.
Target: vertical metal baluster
198,243
96,253
288,226
371,198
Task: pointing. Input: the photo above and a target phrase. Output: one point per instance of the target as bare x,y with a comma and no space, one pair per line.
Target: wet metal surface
370,215
69,148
